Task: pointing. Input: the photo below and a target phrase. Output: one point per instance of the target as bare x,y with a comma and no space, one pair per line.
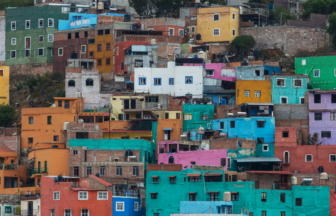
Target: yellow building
253,91
217,24
4,85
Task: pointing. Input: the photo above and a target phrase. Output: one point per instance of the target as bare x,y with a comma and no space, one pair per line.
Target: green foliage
15,3
319,7
332,27
242,44
314,140
7,115
280,13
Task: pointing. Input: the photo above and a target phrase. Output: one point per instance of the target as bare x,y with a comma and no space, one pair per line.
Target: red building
76,197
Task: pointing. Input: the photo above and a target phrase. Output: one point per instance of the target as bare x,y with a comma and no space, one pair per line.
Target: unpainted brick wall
231,143
223,110
164,167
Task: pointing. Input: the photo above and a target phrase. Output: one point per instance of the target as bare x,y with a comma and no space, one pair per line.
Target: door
132,104
45,166
39,167
30,208
126,104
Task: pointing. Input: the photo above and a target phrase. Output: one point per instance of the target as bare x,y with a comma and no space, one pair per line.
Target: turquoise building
196,116
289,89
166,190
78,20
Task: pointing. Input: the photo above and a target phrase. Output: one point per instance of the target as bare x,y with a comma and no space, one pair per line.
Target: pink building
220,71
173,152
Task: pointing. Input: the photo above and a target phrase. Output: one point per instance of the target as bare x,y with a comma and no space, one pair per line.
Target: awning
213,174
155,177
153,193
234,192
171,176
212,191
271,172
167,128
192,192
193,175
257,159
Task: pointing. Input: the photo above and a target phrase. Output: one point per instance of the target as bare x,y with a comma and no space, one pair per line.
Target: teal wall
197,112
169,196
326,65
240,153
261,153
293,94
20,15
154,136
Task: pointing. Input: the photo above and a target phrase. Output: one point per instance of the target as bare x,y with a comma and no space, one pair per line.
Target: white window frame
281,99
181,30
318,71
26,24
150,29
10,53
38,24
300,100
102,192
39,38
248,93
82,48
59,50
26,46
59,195
214,31
52,212
192,29
136,206
67,210
233,16
330,160
173,32
288,156
213,18
276,82
52,22
87,195
303,62
234,31
263,145
297,86
75,152
52,37
255,93
311,158
12,26
123,205
85,209
38,51
13,44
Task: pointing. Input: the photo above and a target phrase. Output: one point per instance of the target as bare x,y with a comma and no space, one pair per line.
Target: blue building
220,96
126,203
78,20
289,89
256,72
261,129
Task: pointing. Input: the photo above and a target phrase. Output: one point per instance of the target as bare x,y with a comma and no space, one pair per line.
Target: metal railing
263,185
24,192
29,212
272,185
39,170
125,193
9,166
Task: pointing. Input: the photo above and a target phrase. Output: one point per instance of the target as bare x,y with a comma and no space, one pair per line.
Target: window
260,124
102,170
83,49
318,116
192,197
256,72
107,31
153,195
119,170
76,34
101,32
88,171
84,212
205,117
167,115
171,81
263,213
285,134
142,81
41,51
13,41
302,100
263,196
316,73
181,32
108,61
75,152
332,158
233,16
193,29
102,196
317,98
136,206
282,197
232,124
155,179
171,32
108,46
13,26
213,196
92,41
40,23
260,140
12,54
257,94
135,171
67,212
189,80
216,17
283,100
325,134
193,18
8,209
234,196
303,61
30,140
298,201
99,62
122,66
216,32
76,171
246,93
119,206
309,158
265,147
27,26
52,212
157,81
69,36
172,180
56,196
209,72
187,117
31,120
228,162
50,22
49,120
233,32
333,98
280,82
66,104
221,125
60,51
83,195
56,138
89,82
298,83
50,38
71,83
282,213
86,34
178,115
99,47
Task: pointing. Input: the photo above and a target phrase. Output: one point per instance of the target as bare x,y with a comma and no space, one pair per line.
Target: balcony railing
272,185
40,170
80,22
9,167
125,193
28,192
29,212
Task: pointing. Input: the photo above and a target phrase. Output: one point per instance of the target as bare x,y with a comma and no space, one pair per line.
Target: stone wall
290,38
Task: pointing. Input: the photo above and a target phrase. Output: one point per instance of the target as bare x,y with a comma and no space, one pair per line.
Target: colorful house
217,24
320,69
196,116
127,204
253,91
10,209
30,205
206,208
4,85
220,71
78,20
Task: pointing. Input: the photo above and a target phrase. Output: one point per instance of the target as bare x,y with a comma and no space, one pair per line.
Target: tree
280,14
314,140
242,44
7,115
319,7
16,3
332,27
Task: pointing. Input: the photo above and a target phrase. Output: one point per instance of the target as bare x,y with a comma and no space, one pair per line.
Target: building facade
196,116
4,85
253,91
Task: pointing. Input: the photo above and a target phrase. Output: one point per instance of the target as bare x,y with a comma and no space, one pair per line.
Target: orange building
253,91
169,129
102,50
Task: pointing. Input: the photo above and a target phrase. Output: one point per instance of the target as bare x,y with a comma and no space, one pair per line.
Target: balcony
272,185
259,11
125,193
33,212
29,192
39,170
9,167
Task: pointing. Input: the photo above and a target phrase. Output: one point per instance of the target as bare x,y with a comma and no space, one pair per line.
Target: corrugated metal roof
257,159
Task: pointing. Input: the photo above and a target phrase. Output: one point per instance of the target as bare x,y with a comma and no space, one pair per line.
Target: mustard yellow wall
4,85
117,106
104,54
172,114
131,135
226,24
265,86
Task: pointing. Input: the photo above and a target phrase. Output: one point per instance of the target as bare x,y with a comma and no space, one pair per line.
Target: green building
30,32
196,116
165,190
320,69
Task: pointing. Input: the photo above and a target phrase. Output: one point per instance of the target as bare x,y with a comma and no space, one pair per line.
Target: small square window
332,158
56,138
285,134
216,17
298,201
316,73
56,196
75,152
102,196
157,81
298,83
142,81
317,98
13,41
83,195
40,23
216,32
332,116
325,134
318,116
12,54
283,100
309,158
155,179
246,93
189,80
260,124
107,31
256,72
260,140
31,120
265,147
303,61
209,72
30,140
41,52
280,82
154,196
91,54
119,206
257,94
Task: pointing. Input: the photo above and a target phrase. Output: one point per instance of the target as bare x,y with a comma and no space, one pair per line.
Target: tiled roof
105,183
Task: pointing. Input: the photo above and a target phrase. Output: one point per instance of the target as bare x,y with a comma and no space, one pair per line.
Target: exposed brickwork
164,167
316,21
231,143
223,110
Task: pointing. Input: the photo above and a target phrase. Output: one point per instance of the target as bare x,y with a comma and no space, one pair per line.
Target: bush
7,115
242,44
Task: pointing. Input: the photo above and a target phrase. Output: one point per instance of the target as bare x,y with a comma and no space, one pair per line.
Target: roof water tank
80,121
324,176
65,126
127,18
101,6
201,130
201,54
294,180
227,196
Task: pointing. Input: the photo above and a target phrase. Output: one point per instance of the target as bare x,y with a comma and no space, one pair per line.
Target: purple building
322,115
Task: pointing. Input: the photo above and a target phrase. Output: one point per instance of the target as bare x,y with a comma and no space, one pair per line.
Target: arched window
71,83
89,82
286,157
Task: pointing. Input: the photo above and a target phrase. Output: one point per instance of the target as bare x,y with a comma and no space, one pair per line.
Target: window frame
26,24
193,28
192,80
59,195
247,91
102,192
144,79
318,113
13,44
173,31
106,46
233,16
213,18
123,206
82,49
326,137
10,53
234,32
101,47
265,145
301,100
283,97
306,158
12,26
255,93
49,38
61,48
213,32
297,86
296,201
280,85
38,51
38,23
106,61
53,23
319,75
100,169
179,31
101,63
170,80
263,198
71,85
320,98
330,158
85,192
155,82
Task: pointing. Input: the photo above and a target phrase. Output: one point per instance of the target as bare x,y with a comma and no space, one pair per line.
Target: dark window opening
326,134
282,197
333,98
82,135
107,31
317,98
66,104
221,125
234,196
154,195
318,116
100,32
232,124
69,36
260,140
76,34
86,34
213,178
263,196
260,124
192,197
298,201
285,134
223,162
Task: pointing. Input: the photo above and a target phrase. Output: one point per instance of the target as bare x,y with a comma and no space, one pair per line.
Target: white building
31,205
173,80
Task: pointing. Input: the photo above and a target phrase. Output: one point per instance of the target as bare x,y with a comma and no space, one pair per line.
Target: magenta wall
217,67
201,157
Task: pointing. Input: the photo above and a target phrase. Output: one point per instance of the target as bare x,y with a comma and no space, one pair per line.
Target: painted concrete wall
4,85
249,72
216,98
289,91
36,206
15,209
2,38
233,154
197,112
129,206
178,73
203,207
264,86
78,20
